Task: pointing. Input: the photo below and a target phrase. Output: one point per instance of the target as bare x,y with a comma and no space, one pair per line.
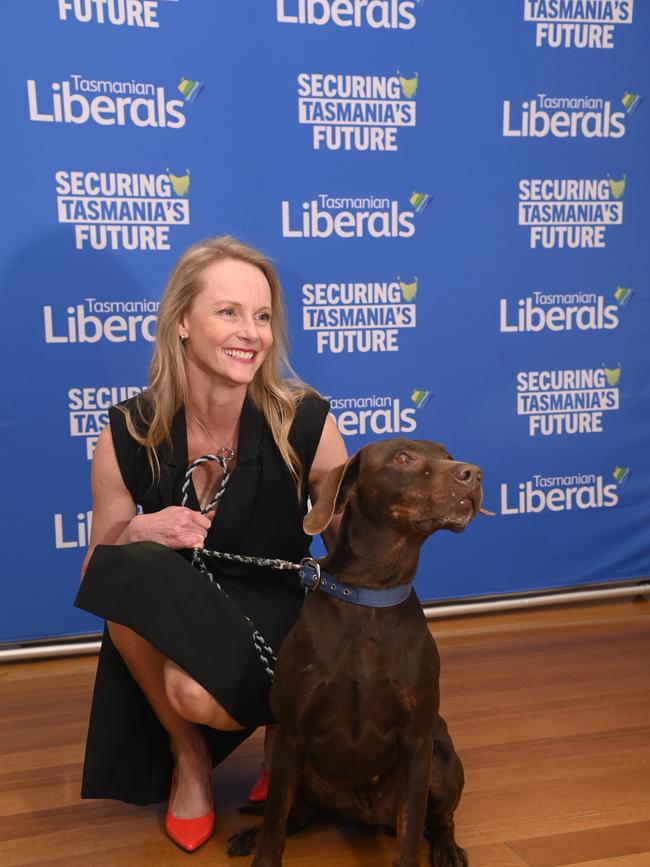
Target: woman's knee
193,702
185,695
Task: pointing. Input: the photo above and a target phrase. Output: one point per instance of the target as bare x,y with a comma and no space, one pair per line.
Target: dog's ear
333,497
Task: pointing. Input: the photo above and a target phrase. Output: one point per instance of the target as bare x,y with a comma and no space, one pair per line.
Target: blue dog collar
312,577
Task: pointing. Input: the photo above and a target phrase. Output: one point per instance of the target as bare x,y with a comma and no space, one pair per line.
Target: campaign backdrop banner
456,196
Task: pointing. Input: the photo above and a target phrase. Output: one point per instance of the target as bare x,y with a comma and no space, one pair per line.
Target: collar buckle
317,578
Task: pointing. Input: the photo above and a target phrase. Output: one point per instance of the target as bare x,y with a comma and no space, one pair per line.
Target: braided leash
264,649
222,460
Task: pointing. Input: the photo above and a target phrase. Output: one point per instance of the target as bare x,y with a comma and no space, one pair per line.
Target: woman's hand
115,521
176,527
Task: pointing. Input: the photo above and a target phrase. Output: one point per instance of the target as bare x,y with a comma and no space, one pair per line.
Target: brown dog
356,691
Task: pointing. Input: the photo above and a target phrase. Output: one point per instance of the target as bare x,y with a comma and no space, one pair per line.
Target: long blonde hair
275,390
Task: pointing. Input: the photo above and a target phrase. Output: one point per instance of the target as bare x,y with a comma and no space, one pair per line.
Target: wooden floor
549,710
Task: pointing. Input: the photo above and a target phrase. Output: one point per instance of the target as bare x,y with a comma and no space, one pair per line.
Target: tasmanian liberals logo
378,414
122,210
96,321
563,311
571,213
79,100
358,317
353,217
356,112
375,14
569,116
563,493
559,402
577,23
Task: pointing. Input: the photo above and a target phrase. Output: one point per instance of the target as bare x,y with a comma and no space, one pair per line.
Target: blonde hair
275,390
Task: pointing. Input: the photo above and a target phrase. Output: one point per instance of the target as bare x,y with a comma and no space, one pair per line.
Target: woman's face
228,325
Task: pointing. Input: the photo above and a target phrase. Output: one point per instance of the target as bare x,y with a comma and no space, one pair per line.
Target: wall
456,195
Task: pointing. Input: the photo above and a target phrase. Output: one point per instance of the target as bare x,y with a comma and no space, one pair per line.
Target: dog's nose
467,474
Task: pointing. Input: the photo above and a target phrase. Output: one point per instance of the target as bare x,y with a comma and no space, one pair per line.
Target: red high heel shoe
189,834
260,788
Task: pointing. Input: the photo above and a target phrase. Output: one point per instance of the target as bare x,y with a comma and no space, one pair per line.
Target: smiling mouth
240,354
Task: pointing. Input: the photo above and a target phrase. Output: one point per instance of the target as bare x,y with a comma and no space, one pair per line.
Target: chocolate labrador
355,691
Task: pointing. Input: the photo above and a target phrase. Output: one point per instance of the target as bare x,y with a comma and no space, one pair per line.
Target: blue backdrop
455,194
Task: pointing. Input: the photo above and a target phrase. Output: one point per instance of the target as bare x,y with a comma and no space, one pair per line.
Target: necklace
225,452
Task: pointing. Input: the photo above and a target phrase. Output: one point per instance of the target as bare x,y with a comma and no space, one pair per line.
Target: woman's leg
193,702
147,666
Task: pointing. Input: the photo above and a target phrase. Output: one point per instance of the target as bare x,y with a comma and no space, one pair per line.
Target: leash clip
309,561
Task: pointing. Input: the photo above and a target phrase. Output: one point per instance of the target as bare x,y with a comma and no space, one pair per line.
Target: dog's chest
348,699
352,726
364,676
358,703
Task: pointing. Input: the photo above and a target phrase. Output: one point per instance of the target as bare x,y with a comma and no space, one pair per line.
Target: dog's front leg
415,758
286,769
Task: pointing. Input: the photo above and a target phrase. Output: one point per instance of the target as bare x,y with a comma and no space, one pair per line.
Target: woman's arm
113,507
331,452
115,518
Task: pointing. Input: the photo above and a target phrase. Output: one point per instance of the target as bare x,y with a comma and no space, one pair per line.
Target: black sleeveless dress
158,593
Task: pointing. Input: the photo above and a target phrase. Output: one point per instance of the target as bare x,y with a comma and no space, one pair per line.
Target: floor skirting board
433,610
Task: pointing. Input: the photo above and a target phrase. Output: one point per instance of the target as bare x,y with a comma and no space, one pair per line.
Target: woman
178,671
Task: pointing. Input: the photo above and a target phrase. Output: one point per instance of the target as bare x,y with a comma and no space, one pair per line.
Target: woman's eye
228,311
264,317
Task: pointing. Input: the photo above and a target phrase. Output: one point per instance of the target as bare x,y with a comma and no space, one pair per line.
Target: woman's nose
247,328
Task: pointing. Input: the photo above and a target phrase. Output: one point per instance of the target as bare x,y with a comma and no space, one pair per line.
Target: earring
183,337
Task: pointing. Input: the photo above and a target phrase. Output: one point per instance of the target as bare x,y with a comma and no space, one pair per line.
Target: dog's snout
467,474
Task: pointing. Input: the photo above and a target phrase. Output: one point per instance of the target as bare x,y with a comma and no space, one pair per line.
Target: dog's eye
404,458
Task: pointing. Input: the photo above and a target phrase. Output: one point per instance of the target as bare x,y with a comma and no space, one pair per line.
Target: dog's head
414,485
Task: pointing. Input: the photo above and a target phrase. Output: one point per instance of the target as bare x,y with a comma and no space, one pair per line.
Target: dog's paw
243,843
448,855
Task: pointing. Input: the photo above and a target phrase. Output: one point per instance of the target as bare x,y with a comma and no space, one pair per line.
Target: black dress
158,593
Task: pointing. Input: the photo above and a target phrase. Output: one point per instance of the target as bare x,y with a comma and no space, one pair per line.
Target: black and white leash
222,459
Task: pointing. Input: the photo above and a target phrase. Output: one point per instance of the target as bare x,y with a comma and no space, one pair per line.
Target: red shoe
260,788
189,833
